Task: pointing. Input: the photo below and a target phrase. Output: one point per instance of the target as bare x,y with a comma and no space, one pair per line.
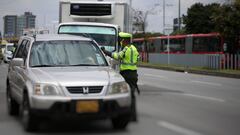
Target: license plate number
87,106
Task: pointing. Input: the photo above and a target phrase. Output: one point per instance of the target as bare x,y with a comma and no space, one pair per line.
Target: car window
19,53
25,50
66,53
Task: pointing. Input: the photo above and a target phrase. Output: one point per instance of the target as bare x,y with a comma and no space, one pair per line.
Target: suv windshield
65,53
104,36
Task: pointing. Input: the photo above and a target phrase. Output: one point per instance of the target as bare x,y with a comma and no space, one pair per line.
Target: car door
17,72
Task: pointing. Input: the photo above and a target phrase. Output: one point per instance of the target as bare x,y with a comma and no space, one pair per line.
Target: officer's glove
106,52
103,48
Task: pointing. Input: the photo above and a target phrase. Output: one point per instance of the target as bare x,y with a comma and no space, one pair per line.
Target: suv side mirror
113,63
17,62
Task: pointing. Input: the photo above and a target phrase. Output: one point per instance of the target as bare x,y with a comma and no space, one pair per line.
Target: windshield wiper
44,66
85,65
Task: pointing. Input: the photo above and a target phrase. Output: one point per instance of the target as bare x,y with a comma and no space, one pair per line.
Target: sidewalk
221,73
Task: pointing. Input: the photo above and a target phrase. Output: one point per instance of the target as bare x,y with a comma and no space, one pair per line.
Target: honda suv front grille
85,89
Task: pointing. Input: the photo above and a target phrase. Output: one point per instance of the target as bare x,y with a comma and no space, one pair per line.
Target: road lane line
207,83
157,76
140,83
177,128
205,97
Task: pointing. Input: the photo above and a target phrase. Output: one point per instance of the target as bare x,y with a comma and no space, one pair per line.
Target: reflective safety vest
128,56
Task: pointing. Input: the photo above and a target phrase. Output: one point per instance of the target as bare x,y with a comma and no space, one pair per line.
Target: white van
8,52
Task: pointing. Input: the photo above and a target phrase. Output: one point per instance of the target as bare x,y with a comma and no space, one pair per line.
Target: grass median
199,70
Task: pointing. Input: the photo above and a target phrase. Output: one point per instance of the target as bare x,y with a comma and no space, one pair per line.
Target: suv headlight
118,88
47,90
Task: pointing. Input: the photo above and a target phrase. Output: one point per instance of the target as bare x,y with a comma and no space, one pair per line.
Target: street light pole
168,30
168,48
163,16
179,13
131,17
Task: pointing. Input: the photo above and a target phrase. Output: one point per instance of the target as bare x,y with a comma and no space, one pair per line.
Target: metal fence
211,61
230,61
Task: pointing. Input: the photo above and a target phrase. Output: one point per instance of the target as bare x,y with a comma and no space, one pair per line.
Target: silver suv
62,75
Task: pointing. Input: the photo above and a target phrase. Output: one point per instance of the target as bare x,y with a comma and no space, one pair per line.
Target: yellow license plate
87,106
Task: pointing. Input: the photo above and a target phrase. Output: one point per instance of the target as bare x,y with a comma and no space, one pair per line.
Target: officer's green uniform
128,56
128,68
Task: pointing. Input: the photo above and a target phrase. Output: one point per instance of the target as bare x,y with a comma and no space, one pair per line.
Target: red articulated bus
211,43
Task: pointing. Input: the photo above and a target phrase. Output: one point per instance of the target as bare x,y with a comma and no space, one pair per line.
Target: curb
218,74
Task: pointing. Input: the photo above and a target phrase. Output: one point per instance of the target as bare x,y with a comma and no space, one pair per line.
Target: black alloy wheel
30,122
12,105
121,122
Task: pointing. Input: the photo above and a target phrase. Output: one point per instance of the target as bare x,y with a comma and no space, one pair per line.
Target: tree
140,18
138,21
216,18
228,24
179,32
146,35
199,18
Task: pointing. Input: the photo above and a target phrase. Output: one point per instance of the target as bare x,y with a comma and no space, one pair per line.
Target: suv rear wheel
12,105
30,122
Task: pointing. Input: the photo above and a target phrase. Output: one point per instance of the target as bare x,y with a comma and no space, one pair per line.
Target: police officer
128,57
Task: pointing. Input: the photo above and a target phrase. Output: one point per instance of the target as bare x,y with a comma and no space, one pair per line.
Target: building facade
14,25
10,25
21,25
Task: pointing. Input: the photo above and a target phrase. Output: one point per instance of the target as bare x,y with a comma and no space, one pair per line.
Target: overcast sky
47,11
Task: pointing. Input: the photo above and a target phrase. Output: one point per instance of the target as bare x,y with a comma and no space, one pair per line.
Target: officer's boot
133,109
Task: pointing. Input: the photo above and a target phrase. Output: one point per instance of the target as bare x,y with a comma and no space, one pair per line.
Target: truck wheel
12,105
120,122
30,122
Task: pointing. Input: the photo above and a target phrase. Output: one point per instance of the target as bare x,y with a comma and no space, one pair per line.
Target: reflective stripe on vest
128,61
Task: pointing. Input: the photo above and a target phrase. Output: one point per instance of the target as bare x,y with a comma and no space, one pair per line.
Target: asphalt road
171,103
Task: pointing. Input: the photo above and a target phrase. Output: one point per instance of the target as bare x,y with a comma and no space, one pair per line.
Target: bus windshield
206,44
104,36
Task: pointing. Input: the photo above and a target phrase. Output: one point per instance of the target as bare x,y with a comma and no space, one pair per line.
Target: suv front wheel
30,121
12,105
121,121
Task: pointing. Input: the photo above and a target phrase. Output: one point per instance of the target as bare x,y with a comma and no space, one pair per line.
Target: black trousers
131,77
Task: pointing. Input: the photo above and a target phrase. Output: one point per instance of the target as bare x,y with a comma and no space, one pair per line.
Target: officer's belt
131,64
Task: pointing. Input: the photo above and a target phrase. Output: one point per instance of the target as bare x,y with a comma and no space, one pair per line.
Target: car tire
12,105
29,120
121,122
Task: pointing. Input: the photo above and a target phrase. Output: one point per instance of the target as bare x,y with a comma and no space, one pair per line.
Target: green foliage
228,24
199,18
146,35
215,18
179,32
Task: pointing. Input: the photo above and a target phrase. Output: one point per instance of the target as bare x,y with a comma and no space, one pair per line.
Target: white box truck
98,19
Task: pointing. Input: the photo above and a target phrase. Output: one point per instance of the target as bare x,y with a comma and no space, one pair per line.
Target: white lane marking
208,83
140,83
157,76
177,128
205,97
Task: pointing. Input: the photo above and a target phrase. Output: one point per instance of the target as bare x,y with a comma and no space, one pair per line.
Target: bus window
200,44
177,45
151,47
157,44
206,44
214,44
139,45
